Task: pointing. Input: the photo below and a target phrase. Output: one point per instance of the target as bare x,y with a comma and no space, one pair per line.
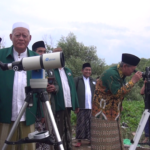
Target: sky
113,26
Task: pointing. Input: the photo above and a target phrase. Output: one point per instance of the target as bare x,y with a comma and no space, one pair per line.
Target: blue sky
113,26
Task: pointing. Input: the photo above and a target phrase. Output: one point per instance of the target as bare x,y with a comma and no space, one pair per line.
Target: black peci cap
86,65
37,45
130,59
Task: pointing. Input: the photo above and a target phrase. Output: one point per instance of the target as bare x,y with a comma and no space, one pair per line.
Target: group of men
62,92
97,103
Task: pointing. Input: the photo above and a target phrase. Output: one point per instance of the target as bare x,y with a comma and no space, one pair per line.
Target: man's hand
76,110
51,88
137,76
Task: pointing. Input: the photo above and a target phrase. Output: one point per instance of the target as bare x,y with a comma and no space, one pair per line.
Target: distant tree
77,53
48,43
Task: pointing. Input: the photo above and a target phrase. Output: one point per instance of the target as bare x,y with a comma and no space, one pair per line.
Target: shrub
73,118
132,113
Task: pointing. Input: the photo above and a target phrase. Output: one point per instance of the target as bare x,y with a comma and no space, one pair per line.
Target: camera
146,74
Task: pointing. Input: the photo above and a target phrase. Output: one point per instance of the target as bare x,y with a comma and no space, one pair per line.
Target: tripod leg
15,124
50,113
140,129
47,120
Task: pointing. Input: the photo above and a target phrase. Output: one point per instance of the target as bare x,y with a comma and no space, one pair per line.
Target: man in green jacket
107,102
65,101
52,88
12,89
85,86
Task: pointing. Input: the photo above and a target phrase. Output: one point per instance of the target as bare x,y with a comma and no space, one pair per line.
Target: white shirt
88,94
66,88
20,82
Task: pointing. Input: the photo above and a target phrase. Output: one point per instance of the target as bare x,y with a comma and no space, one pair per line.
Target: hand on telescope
137,76
51,88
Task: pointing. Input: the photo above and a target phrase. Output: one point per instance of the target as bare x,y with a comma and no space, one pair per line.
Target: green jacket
6,89
59,97
109,93
80,88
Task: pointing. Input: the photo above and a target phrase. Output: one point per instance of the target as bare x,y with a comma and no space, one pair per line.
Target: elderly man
85,86
65,101
12,89
109,94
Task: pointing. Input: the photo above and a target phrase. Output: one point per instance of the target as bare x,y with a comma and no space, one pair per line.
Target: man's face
41,50
86,72
128,70
20,38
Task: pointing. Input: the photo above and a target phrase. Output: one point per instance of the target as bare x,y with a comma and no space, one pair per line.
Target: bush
132,113
73,118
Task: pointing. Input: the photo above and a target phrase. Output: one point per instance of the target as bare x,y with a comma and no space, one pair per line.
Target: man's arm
117,89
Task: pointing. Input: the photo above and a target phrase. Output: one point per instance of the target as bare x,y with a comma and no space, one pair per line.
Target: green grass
132,113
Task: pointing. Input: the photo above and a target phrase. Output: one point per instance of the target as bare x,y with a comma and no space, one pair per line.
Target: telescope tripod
39,137
140,129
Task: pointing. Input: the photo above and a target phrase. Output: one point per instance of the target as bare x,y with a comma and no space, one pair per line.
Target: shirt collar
10,52
24,54
60,69
85,78
120,71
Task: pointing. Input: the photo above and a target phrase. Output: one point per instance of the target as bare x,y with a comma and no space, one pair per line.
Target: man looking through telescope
107,102
12,89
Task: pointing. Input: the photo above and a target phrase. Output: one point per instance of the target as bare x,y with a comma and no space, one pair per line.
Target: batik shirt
109,94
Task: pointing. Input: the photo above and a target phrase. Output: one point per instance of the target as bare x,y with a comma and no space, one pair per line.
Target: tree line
76,53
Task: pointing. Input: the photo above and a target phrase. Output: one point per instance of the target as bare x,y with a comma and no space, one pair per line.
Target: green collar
120,71
10,52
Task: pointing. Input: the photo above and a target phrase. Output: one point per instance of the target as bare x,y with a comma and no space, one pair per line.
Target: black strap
39,110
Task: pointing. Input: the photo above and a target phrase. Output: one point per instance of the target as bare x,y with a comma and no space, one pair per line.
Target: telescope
146,113
45,61
146,74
